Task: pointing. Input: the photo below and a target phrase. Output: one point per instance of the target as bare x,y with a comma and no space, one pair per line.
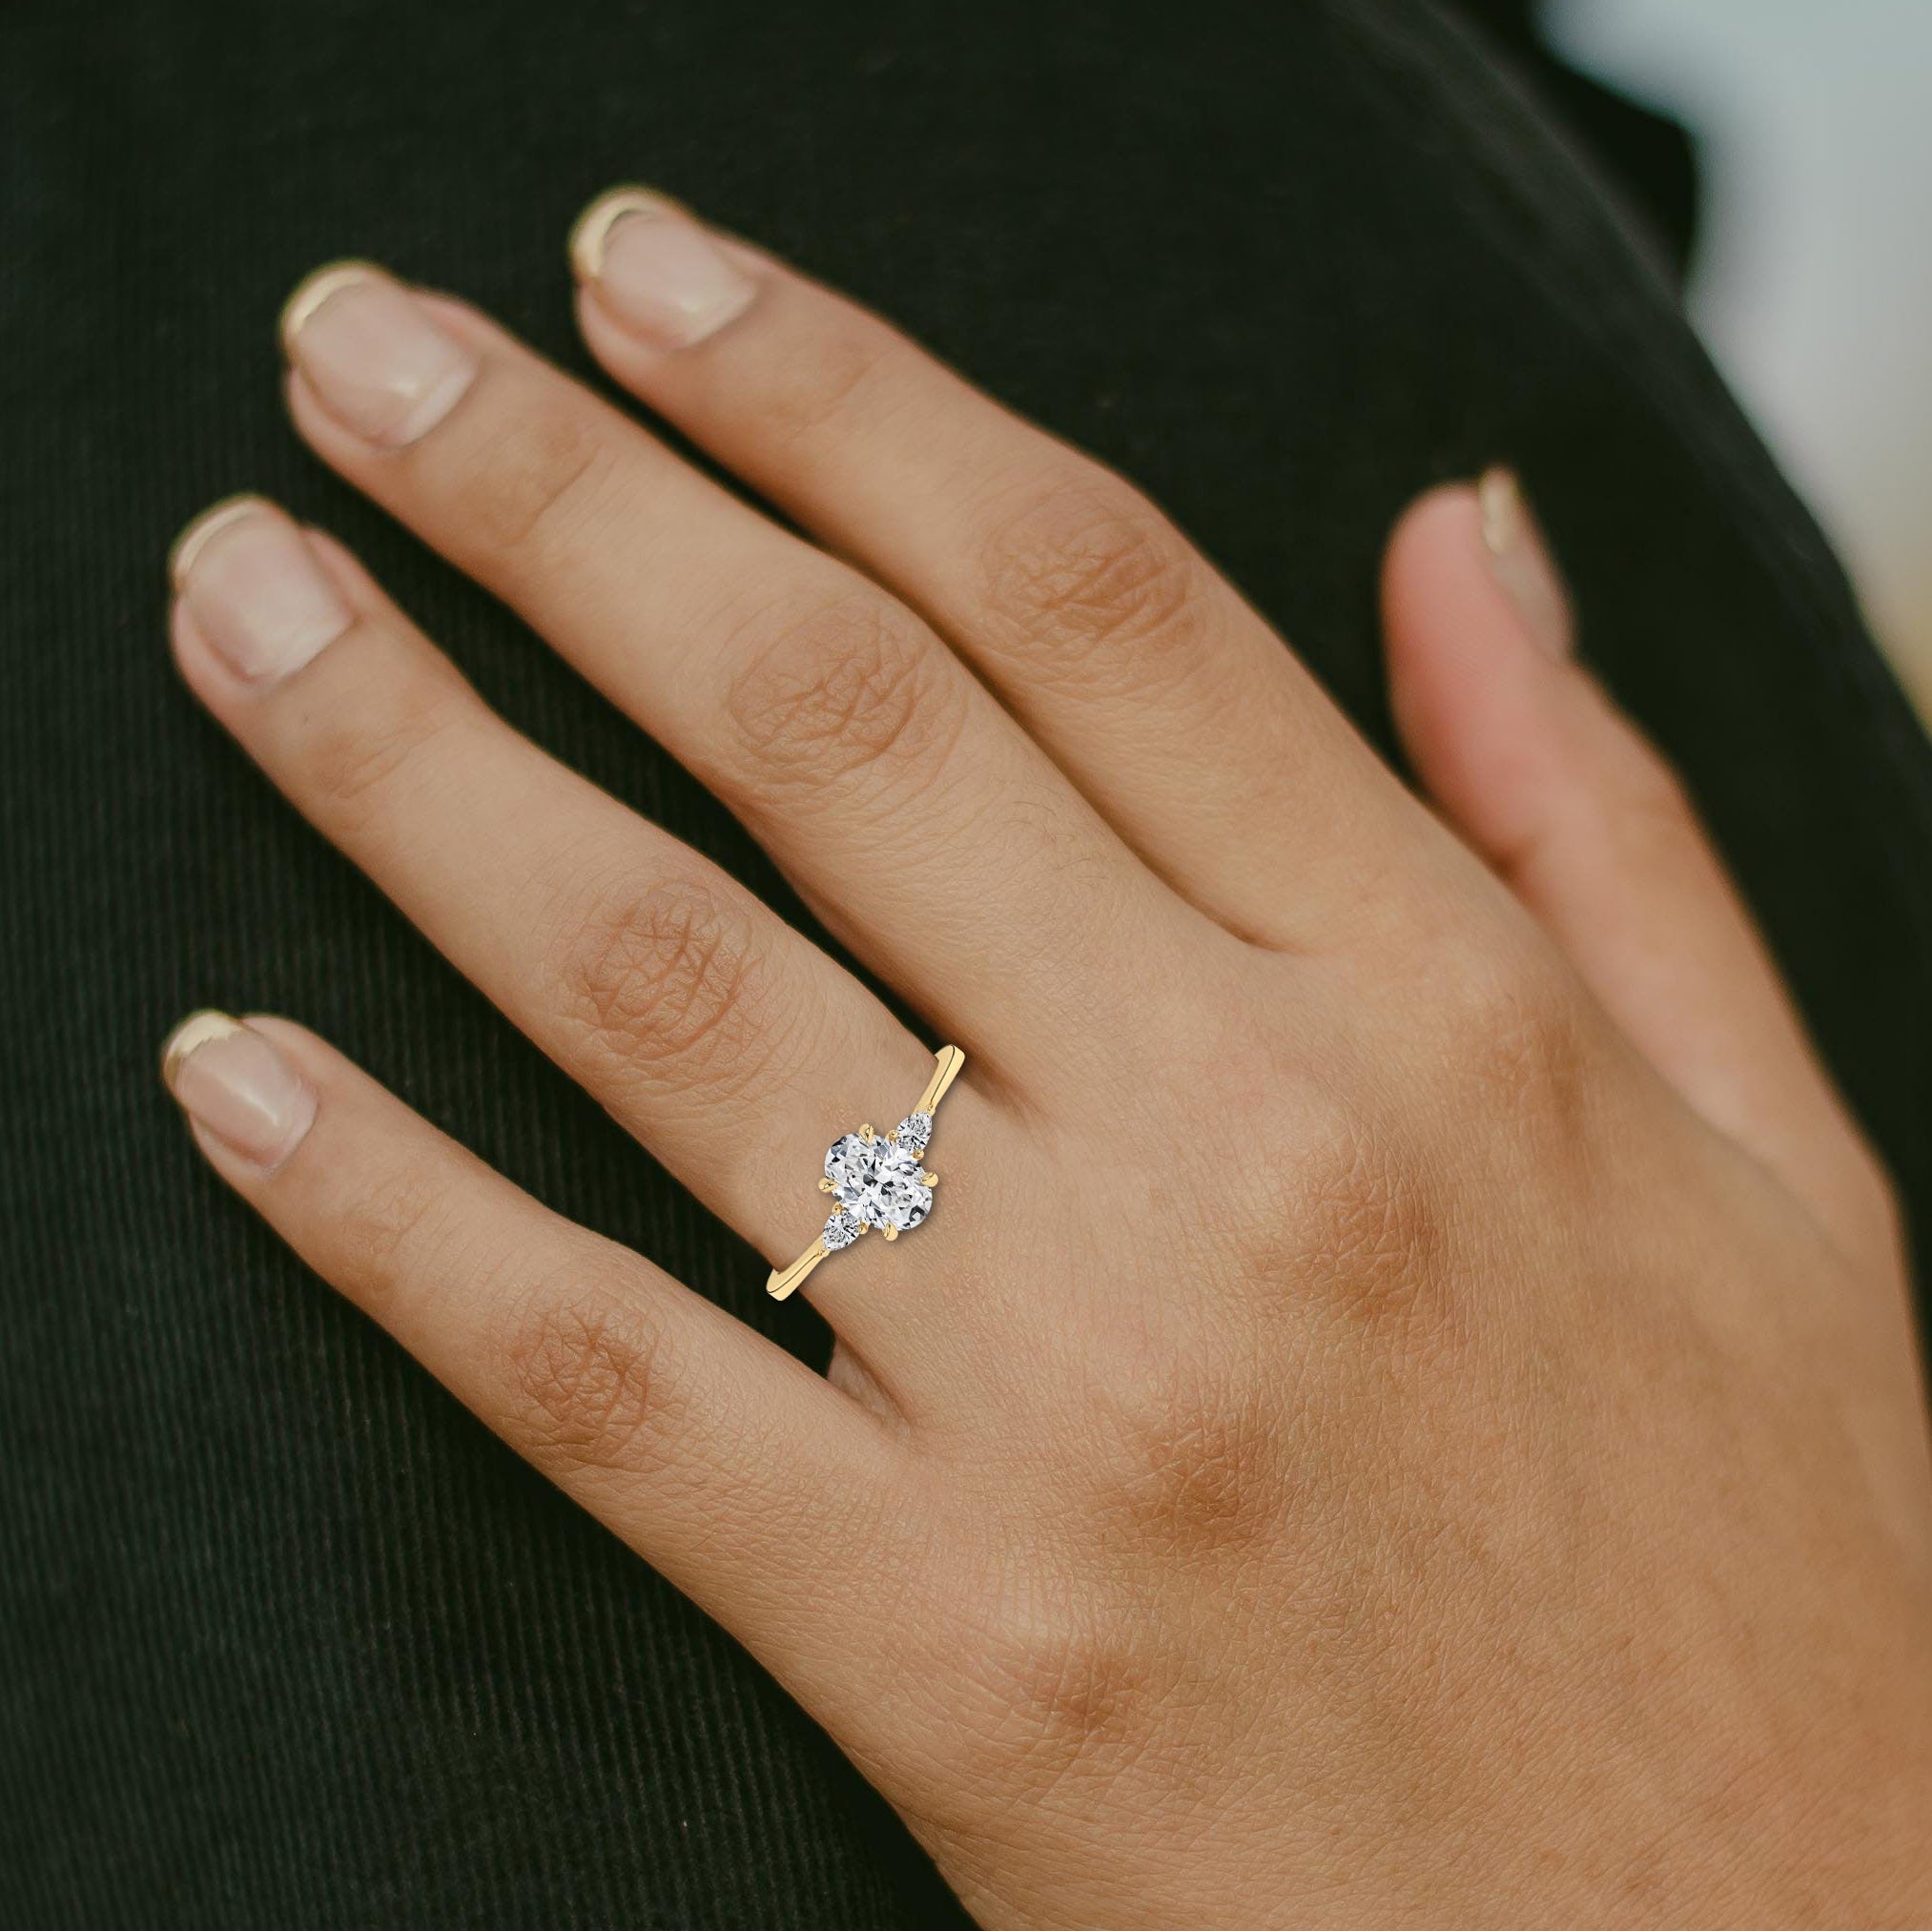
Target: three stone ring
876,1179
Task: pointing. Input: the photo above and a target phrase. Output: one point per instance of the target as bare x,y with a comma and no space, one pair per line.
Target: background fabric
286,1638
1653,159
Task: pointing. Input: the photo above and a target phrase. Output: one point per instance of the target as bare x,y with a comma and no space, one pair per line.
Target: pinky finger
751,1484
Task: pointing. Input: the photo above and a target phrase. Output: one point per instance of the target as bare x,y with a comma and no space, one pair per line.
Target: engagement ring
876,1179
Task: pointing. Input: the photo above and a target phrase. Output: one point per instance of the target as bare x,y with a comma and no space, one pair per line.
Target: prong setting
877,1180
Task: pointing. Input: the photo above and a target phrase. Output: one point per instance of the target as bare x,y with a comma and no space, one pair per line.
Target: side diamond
916,1129
840,1231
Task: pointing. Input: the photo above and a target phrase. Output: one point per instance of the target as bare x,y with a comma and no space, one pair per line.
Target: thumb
1581,816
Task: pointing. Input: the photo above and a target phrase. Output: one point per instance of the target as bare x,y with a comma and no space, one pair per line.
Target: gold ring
878,1179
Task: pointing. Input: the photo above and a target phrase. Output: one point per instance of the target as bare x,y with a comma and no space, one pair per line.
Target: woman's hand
1405,1408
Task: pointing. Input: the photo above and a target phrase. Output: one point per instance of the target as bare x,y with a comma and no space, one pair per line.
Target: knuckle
588,1382
1060,1689
1093,581
1346,1211
1191,1456
1369,1232
667,980
847,685
1342,1214
1515,1032
352,757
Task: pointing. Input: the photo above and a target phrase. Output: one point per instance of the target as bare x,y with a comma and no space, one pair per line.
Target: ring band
877,1178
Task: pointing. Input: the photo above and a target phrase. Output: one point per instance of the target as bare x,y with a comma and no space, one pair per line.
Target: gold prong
865,1226
890,1233
929,1180
866,1133
825,1186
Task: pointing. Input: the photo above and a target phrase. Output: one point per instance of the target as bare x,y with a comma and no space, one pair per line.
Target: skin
1405,1410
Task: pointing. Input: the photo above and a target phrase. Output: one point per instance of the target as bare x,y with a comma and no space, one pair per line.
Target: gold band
783,1281
950,1061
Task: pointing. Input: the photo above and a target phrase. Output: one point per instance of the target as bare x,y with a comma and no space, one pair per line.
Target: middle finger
919,819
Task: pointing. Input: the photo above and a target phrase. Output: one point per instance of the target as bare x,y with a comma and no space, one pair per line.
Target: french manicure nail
656,271
371,352
233,1084
1520,560
256,590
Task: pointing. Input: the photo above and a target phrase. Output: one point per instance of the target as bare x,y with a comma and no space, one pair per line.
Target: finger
1595,833
726,1041
904,803
1174,707
755,1488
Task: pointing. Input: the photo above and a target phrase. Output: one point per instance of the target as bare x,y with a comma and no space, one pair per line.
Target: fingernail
371,352
256,590
655,270
233,1084
1521,563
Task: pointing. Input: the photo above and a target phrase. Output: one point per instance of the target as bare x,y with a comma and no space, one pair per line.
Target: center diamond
879,1183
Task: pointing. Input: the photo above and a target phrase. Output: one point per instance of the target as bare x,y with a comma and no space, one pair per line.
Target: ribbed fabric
286,1638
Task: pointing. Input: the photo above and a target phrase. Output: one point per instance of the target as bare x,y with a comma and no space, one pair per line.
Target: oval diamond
879,1183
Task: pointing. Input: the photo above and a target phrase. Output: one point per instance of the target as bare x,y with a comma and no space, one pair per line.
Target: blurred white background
1813,285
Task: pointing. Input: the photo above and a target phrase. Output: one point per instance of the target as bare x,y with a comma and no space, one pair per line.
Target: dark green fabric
286,1638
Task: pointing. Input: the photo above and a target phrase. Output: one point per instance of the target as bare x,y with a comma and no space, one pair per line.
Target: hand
1405,1410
